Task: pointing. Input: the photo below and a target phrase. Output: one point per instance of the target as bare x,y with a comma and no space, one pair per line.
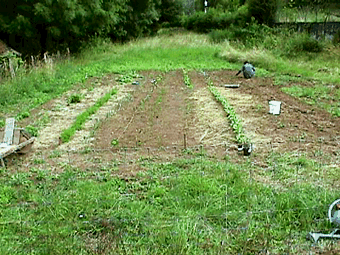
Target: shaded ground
161,119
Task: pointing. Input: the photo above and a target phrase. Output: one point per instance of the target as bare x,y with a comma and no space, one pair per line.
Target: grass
193,206
67,134
319,95
185,206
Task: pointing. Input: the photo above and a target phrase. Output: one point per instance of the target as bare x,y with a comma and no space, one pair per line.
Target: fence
317,29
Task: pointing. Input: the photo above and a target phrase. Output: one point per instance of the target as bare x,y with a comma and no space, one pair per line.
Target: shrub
263,11
73,99
218,36
215,19
336,38
303,43
251,35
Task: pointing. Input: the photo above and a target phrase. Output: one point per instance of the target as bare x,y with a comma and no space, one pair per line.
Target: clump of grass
22,115
74,98
67,134
303,43
34,131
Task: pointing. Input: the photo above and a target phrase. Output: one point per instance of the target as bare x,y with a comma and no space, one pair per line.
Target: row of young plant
67,134
187,80
235,122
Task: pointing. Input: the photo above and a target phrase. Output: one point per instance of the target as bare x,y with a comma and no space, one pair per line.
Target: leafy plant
187,80
74,98
235,122
23,115
114,142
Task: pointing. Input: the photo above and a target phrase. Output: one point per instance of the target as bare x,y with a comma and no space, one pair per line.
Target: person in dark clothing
248,70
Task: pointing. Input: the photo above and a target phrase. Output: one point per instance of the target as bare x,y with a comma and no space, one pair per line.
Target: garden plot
62,113
299,127
162,118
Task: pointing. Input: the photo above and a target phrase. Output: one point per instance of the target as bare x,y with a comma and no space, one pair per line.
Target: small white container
275,107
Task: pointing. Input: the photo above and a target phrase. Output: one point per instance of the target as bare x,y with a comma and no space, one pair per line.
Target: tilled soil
161,119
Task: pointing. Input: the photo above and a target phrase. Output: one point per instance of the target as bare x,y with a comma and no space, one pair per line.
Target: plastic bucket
274,107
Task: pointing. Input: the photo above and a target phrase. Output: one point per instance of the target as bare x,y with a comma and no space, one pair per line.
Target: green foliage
69,23
34,131
187,80
67,134
303,43
74,98
170,12
264,12
215,19
336,38
235,122
10,65
22,115
180,207
251,35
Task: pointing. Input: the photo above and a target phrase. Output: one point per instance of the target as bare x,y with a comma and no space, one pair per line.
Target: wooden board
16,136
9,129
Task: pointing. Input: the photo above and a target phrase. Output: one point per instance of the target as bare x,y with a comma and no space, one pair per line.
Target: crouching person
248,70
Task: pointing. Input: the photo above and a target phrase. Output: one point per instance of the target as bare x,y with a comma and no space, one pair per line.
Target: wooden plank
9,131
14,148
16,136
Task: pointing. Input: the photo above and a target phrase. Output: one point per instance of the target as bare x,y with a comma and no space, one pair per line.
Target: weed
34,131
74,98
259,107
38,161
20,179
114,142
187,80
22,115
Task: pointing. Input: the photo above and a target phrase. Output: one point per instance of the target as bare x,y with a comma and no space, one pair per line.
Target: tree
37,26
264,11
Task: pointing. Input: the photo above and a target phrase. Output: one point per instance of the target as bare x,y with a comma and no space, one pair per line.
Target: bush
303,43
218,36
263,11
215,19
251,35
336,38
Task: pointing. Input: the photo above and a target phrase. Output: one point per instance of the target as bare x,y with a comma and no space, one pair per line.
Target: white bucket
274,107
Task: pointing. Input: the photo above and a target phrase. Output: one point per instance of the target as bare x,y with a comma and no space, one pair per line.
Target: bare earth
162,120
